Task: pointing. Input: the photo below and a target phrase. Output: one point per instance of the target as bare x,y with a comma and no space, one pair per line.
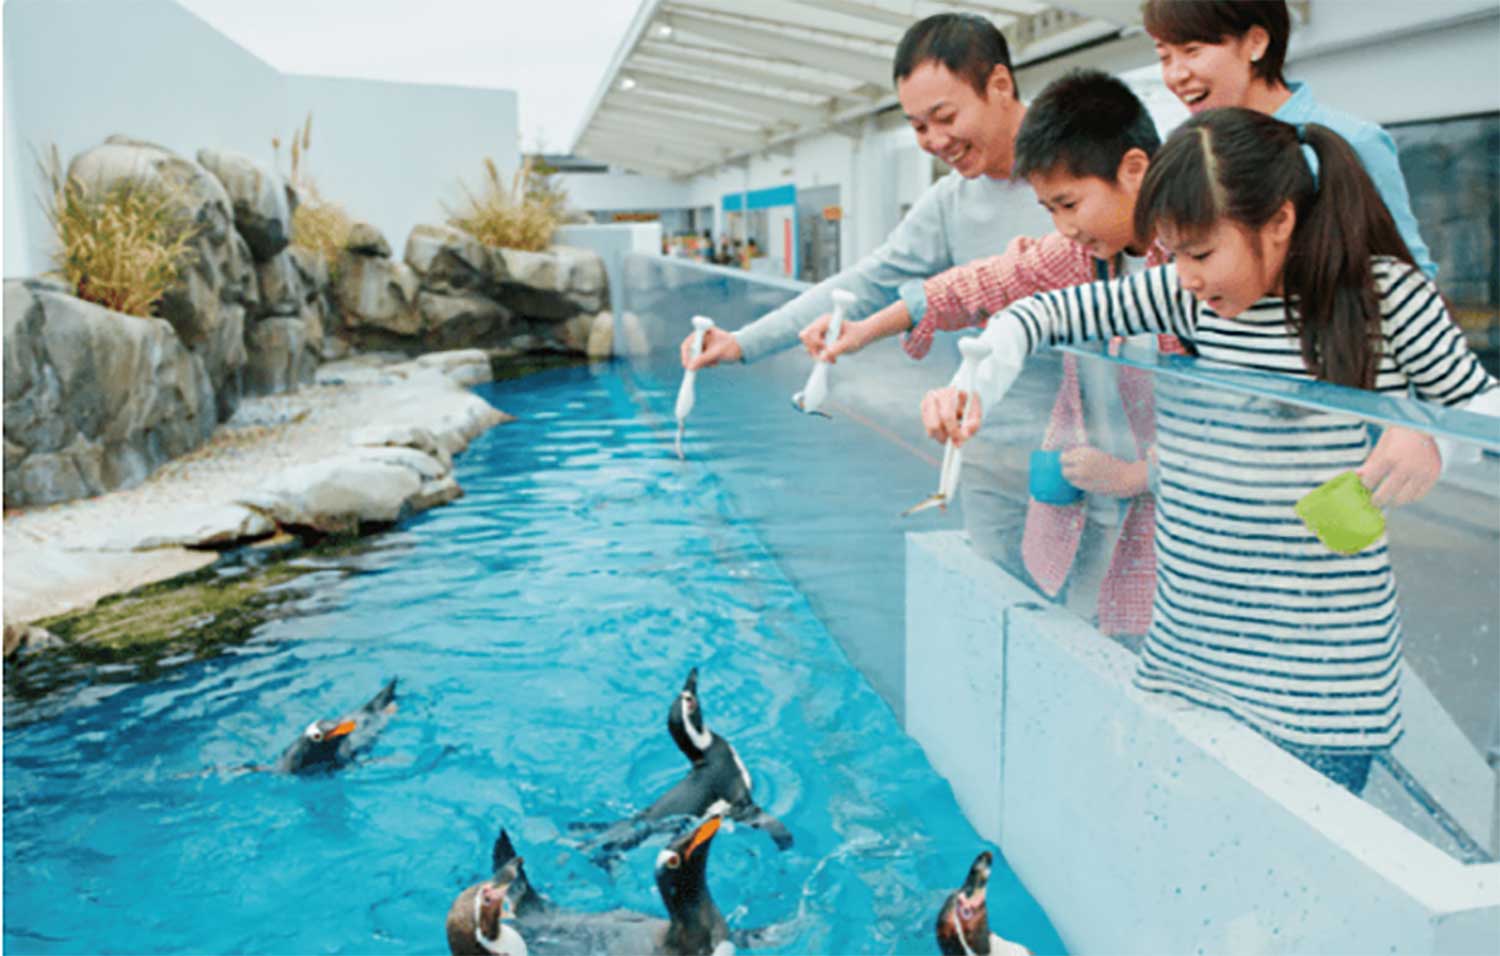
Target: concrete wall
79,71
1143,825
395,153
624,191
613,241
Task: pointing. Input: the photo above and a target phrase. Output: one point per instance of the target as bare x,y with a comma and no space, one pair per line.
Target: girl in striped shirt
1287,261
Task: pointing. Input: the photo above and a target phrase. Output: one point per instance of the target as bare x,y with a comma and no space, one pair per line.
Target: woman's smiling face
1209,75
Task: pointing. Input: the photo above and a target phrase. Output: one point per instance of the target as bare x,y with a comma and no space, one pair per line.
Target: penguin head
963,924
319,743
681,870
495,904
494,911
685,721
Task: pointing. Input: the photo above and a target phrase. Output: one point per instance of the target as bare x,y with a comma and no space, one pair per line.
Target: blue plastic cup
1047,482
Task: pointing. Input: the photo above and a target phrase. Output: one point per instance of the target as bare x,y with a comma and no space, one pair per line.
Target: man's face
974,134
1097,214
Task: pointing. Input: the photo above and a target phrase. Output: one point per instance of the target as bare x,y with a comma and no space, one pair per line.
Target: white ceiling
699,83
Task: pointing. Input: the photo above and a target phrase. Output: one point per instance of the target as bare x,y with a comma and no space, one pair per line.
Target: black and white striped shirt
1252,614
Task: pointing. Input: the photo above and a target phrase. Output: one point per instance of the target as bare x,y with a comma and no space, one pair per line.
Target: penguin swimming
717,783
963,924
504,914
330,744
482,918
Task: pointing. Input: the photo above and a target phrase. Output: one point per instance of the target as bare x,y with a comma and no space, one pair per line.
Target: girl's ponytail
1340,226
1242,165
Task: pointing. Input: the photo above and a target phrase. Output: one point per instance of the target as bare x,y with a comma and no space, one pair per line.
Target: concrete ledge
1146,825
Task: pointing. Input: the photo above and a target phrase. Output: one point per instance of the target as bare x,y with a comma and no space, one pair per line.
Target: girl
1286,261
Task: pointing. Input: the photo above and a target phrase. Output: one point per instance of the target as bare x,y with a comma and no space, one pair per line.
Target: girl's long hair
1243,165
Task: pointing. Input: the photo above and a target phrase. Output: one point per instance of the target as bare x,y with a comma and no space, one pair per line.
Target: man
953,78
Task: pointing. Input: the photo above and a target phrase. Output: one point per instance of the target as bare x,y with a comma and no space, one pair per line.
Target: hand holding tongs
973,351
810,399
685,396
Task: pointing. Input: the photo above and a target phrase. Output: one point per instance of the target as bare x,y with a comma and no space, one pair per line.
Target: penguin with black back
717,783
506,915
330,744
963,924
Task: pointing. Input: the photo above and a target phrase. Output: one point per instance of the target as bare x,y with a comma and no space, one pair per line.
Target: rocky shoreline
370,442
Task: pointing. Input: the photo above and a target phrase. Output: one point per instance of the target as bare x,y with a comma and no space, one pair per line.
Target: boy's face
1209,75
974,134
1097,214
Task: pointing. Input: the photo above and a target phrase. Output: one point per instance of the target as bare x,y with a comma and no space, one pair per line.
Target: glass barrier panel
1210,546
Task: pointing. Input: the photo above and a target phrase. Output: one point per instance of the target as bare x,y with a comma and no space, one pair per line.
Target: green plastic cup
1341,514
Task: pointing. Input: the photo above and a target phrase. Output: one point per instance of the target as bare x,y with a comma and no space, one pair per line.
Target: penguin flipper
386,698
502,853
761,820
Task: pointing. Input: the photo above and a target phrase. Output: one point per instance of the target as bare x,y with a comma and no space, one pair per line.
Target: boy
1084,147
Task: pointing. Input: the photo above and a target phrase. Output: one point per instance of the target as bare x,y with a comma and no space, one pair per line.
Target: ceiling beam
718,135
864,11
835,59
686,149
620,156
665,57
663,133
682,103
771,107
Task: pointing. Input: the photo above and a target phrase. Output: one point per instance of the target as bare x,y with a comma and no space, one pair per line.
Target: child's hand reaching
944,415
1101,473
1402,468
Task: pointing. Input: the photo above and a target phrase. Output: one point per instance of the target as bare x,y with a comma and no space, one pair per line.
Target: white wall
395,153
79,71
1142,825
624,191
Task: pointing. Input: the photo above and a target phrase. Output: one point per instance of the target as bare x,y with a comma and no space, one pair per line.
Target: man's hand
718,346
1101,473
1402,468
944,416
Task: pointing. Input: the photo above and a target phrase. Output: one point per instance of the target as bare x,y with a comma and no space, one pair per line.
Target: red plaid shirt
969,294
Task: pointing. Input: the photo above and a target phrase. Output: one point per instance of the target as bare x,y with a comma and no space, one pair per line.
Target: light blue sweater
955,221
1377,151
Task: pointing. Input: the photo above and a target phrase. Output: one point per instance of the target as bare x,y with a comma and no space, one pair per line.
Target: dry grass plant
318,224
123,246
521,215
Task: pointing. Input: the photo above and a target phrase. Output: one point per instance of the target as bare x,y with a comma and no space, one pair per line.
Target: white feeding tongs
810,399
685,396
973,351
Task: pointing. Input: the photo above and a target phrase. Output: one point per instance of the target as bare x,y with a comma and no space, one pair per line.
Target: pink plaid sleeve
969,294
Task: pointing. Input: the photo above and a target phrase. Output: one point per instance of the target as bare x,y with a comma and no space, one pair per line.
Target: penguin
505,914
716,784
330,744
963,924
482,919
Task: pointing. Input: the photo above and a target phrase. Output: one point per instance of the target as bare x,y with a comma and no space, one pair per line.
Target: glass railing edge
1472,428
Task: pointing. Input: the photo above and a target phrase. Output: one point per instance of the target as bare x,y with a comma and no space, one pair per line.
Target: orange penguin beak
344,727
702,835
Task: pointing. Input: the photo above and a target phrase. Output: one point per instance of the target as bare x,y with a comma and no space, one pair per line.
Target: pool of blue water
539,627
